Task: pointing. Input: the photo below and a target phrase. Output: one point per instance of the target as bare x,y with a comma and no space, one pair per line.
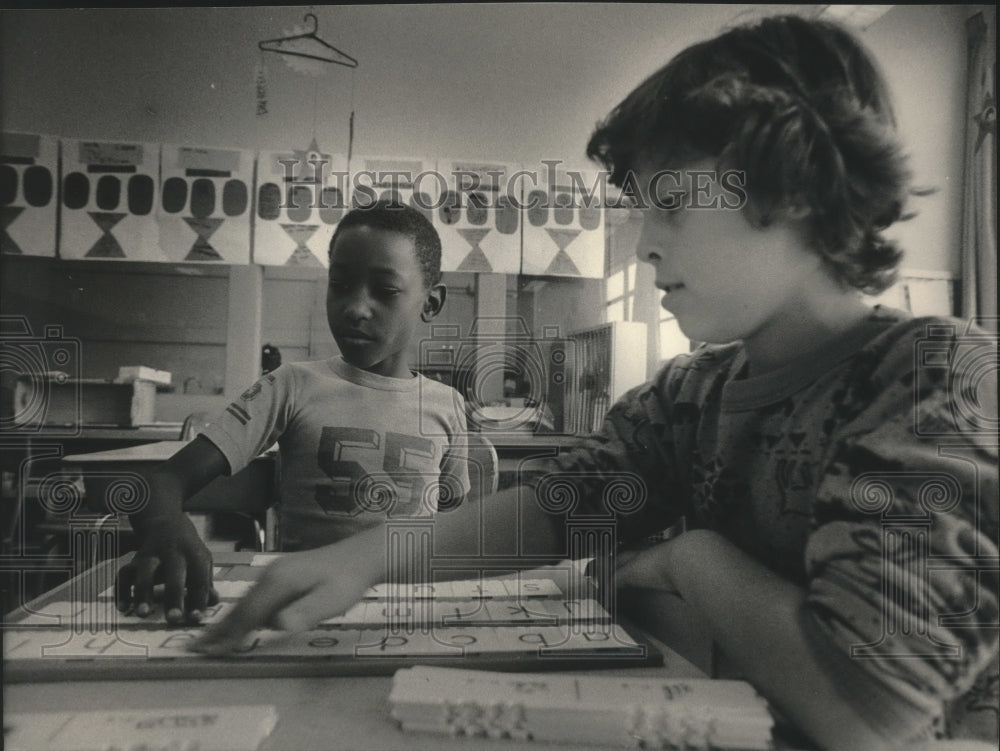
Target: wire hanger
308,45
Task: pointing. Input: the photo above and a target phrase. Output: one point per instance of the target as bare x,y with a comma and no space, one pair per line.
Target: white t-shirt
355,447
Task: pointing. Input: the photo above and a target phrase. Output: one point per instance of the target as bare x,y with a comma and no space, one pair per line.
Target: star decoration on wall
306,172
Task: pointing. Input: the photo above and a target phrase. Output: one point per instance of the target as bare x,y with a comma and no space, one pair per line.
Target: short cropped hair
800,107
393,216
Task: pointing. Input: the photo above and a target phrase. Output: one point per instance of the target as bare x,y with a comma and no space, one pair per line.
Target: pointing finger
258,608
305,612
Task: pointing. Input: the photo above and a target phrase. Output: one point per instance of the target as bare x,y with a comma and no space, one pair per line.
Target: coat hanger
308,45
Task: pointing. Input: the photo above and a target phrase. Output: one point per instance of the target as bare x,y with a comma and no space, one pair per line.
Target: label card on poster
408,180
204,211
301,195
478,217
110,192
564,223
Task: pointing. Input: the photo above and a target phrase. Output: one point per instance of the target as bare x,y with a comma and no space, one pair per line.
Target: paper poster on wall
408,180
301,195
564,223
204,210
109,196
477,216
29,167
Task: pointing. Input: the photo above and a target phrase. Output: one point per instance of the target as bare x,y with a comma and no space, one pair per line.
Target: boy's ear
434,302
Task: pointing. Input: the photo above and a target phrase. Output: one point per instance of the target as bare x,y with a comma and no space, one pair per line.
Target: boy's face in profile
375,297
723,279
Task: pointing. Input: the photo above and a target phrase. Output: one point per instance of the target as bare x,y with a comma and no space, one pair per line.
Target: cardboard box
65,402
129,373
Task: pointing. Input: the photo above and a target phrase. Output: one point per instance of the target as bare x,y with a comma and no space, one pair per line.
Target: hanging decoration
305,52
260,87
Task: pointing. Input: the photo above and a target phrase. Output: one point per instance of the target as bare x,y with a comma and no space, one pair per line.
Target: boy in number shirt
361,437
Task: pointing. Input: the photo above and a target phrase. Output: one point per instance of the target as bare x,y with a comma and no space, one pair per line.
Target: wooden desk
151,432
27,456
47,446
31,455
146,452
57,442
314,714
251,490
115,476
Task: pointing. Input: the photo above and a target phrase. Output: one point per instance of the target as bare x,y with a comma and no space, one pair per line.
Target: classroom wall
922,49
517,82
525,81
127,314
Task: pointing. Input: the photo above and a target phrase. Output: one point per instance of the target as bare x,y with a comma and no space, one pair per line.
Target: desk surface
314,714
326,713
152,432
146,452
321,713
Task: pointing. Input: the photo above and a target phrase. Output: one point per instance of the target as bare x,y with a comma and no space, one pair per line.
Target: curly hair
394,216
800,107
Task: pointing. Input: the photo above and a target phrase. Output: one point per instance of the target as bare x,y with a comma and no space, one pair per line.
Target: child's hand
294,594
170,552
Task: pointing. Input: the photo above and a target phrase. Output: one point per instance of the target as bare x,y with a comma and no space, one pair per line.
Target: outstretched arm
522,527
298,591
170,549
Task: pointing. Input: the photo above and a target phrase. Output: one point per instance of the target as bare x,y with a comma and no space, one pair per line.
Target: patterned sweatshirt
866,473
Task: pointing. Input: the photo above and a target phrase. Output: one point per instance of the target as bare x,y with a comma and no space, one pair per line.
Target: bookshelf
608,360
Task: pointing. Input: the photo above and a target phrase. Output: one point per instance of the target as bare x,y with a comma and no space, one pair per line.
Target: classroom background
167,195
144,225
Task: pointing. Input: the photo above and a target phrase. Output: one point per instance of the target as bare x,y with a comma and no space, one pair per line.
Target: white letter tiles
592,710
